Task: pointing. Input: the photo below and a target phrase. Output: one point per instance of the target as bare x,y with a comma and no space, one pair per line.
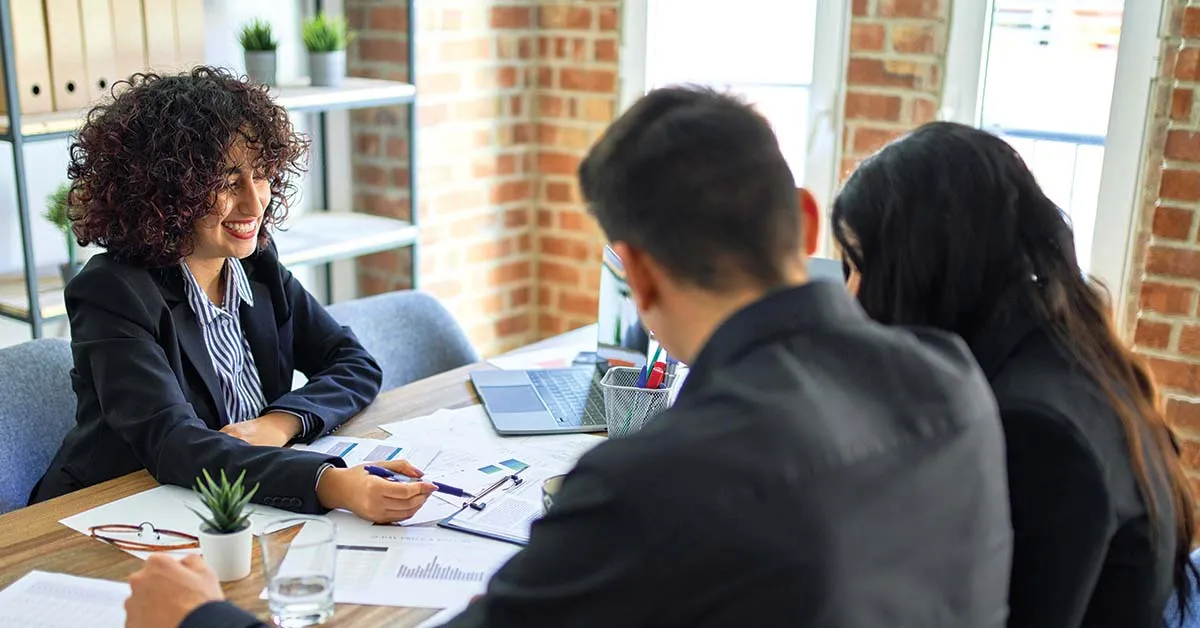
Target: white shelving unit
314,238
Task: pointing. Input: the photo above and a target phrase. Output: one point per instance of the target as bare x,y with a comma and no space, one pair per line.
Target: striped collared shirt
227,346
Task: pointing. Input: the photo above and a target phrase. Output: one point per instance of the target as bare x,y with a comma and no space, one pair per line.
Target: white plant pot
260,66
227,554
327,69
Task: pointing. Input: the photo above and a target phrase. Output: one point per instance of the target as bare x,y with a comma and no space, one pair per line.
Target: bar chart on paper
435,570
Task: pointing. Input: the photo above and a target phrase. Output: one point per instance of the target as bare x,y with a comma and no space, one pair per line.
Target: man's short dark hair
695,178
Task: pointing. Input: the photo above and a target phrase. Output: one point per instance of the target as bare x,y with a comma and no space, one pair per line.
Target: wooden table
31,538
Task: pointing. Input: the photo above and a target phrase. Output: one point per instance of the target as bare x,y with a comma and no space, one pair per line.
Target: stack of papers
479,457
51,600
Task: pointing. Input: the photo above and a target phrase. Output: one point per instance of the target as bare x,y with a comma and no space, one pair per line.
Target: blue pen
396,477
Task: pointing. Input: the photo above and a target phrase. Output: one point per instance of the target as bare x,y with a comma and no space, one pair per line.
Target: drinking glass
299,554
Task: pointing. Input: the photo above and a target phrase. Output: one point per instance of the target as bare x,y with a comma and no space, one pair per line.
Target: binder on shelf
99,50
159,16
189,33
67,70
129,37
31,58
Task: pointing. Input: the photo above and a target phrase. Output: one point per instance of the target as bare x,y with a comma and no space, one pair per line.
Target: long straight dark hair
948,228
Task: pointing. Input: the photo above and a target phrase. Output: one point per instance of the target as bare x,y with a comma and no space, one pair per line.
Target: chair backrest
37,409
1192,620
411,335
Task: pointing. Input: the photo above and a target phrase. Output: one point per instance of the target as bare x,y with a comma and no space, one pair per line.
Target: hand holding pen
371,497
396,477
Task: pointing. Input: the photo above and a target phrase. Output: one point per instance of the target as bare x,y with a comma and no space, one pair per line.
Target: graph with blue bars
433,570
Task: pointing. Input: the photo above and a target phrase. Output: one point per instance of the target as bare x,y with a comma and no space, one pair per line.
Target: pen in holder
628,407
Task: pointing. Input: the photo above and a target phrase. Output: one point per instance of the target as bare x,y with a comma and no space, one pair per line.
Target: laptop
569,400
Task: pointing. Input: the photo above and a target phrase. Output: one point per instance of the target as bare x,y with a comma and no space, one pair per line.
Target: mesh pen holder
627,408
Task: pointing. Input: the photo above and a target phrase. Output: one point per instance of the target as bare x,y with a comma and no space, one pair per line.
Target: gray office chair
37,409
411,335
1192,620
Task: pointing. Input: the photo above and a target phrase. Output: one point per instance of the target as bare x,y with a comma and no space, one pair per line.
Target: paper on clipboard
508,513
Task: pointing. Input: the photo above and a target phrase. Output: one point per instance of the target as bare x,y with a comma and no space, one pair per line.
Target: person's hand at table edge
274,429
166,590
373,498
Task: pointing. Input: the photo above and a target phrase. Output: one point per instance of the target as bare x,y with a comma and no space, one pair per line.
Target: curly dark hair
147,165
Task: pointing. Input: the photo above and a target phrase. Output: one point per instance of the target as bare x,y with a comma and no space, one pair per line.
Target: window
787,58
1067,83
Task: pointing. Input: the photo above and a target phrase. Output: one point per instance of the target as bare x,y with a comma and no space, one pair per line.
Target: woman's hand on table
274,429
373,498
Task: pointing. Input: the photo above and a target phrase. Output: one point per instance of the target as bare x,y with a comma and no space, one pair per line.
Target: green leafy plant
58,212
226,502
256,36
324,33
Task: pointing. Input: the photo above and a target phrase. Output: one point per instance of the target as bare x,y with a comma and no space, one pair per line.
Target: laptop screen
620,337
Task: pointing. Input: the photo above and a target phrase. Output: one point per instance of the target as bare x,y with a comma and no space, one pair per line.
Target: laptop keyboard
573,396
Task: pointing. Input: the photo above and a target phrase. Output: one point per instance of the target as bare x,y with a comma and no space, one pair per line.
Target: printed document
422,567
51,600
356,451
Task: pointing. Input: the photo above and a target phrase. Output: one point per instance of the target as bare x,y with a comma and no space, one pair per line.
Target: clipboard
460,523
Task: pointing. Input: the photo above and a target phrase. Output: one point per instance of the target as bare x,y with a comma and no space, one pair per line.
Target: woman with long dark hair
948,228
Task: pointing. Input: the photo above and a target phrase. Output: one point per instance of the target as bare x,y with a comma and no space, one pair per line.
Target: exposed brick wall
1166,264
511,94
379,148
894,72
576,99
476,72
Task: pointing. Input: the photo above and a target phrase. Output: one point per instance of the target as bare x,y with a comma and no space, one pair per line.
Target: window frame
826,101
1113,236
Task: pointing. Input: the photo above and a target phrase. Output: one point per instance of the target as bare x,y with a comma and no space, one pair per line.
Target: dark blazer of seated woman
187,330
149,396
948,228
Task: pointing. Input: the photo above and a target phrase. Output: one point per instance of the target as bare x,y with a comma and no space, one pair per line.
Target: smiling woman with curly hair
187,330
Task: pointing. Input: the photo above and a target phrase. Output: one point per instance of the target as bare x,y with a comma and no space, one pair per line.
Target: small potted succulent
225,536
326,38
58,213
259,44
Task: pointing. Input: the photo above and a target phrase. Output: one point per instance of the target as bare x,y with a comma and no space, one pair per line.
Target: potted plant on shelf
225,536
326,38
259,44
58,213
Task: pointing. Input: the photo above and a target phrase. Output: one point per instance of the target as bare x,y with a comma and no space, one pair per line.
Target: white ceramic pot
260,66
227,554
327,68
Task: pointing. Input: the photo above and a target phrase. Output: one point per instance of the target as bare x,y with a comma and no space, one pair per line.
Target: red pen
655,379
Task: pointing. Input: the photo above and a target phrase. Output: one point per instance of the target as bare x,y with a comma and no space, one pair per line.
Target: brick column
379,156
897,58
476,71
1165,280
576,100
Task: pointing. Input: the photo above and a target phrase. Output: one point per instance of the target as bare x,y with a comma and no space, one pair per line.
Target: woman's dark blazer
149,397
1086,550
